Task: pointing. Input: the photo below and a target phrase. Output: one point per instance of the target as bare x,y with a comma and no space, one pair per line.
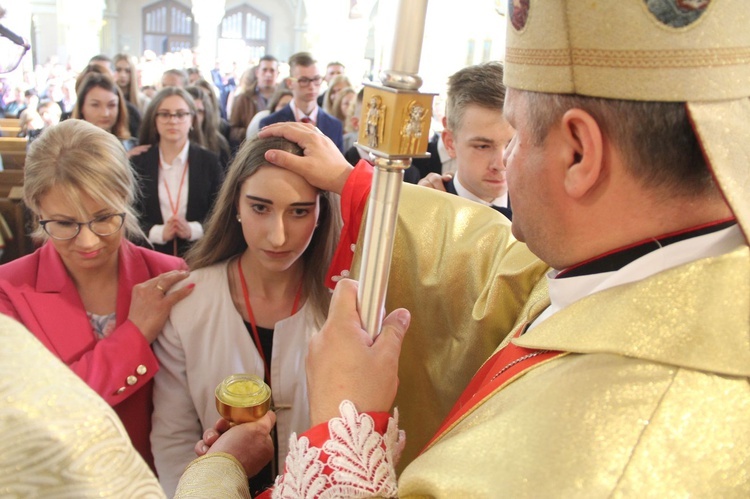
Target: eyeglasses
179,116
12,50
103,226
305,82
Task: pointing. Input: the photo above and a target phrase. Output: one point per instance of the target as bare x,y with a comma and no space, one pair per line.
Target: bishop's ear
583,143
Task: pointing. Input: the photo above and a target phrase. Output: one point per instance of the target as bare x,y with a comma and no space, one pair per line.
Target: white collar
464,193
568,290
179,160
298,115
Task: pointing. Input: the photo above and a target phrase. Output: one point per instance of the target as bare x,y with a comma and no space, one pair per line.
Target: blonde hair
336,111
224,238
335,81
79,159
131,90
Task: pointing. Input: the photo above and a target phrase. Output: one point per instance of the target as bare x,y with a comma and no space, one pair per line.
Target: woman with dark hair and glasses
92,297
179,178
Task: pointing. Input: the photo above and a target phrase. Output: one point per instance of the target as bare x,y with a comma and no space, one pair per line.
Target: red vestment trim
353,201
505,365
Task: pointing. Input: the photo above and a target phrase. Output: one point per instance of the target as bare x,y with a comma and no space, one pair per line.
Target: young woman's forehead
273,182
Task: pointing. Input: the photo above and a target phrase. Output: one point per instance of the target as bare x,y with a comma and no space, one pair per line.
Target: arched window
244,30
167,27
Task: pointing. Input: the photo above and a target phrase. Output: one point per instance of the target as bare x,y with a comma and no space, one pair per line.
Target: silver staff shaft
378,242
395,129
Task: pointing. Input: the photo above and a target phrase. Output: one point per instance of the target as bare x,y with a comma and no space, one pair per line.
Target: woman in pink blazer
89,295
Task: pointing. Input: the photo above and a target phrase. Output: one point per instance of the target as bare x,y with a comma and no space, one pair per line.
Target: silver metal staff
394,129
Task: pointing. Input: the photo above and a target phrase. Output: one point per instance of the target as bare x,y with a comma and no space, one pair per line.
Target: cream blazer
204,341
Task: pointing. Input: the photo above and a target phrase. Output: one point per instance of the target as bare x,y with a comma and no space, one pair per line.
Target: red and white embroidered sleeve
350,456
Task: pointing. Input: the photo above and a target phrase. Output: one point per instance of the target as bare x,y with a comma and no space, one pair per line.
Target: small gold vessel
243,398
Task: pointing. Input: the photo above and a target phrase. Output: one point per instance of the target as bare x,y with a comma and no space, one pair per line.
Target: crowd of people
568,299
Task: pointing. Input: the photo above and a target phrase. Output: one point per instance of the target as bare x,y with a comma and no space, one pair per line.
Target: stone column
80,27
110,35
207,15
333,34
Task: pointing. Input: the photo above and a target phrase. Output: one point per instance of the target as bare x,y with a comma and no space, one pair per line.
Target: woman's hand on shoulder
138,150
435,181
151,303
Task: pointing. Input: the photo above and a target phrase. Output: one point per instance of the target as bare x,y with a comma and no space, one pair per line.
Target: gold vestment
465,279
652,401
61,439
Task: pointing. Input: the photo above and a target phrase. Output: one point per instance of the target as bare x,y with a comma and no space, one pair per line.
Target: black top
204,181
615,260
266,476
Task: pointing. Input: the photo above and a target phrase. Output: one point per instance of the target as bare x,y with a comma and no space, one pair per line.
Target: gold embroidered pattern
630,58
537,57
662,58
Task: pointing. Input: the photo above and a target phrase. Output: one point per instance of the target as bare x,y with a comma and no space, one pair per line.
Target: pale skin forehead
99,93
285,182
268,65
481,114
308,70
173,102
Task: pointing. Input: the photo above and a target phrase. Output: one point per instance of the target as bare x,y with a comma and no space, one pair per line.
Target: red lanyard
251,317
174,206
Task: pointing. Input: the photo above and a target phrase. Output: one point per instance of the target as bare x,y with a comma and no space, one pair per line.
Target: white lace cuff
355,461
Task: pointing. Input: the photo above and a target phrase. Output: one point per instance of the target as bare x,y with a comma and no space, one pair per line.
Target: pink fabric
37,291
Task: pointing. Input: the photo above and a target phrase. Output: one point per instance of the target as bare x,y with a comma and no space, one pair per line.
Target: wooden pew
9,131
13,152
10,122
17,217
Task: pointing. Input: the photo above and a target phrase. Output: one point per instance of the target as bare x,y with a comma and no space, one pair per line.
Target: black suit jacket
411,174
451,188
204,180
134,119
431,164
329,125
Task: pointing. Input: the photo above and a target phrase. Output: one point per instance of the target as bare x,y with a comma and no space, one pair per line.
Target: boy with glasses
304,82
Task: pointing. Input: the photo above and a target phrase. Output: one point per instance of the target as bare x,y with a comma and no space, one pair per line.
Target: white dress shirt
464,193
568,290
298,115
170,174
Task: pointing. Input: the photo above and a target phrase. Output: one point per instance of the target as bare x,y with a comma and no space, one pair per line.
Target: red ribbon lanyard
174,206
251,317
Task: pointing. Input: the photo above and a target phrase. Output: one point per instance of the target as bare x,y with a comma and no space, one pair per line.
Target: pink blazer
37,291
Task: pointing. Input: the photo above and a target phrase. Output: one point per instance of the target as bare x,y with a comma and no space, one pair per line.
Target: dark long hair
223,238
149,133
100,80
